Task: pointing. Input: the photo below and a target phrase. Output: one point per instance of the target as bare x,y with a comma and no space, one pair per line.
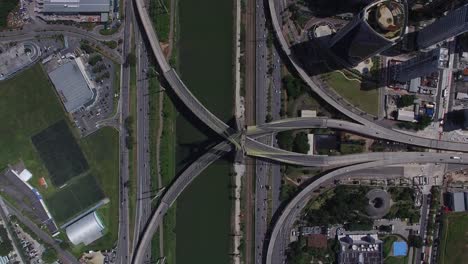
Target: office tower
422,65
451,25
376,28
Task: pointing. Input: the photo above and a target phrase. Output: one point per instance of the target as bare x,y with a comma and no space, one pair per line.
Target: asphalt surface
262,168
144,192
123,243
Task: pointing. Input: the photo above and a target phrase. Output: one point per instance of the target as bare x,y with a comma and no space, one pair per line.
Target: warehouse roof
86,230
71,85
76,6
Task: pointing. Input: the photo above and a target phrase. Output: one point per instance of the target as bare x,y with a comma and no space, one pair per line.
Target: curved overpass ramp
258,149
173,192
280,234
176,83
353,112
375,132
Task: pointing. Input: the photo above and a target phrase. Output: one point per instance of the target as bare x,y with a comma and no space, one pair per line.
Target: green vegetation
299,253
84,45
108,31
5,244
434,207
168,166
298,142
94,59
285,140
102,151
294,86
160,12
336,209
403,206
74,198
352,147
112,44
287,191
454,239
387,251
353,92
422,123
131,59
6,6
60,153
49,255
301,143
406,100
28,105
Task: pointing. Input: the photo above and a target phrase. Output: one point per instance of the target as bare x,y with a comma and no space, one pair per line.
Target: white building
86,230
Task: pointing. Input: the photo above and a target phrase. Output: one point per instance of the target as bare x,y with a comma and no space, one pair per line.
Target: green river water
206,66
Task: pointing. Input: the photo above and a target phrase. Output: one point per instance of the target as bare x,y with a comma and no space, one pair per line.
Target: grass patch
160,12
454,239
108,31
74,198
28,105
60,153
387,251
133,151
6,6
351,90
112,44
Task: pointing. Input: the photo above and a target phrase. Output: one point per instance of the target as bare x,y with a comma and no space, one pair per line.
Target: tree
406,100
301,143
415,241
131,59
93,60
5,243
294,86
285,140
49,255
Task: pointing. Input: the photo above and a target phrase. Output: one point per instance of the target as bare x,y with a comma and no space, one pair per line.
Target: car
455,158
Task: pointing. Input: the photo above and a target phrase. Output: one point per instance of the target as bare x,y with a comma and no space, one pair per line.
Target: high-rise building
376,28
451,25
422,65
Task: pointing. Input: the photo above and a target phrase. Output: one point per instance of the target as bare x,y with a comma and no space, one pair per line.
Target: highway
373,131
279,239
262,167
172,193
144,192
123,243
258,149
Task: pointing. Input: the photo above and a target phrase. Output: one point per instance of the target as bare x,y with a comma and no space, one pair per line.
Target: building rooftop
457,201
360,248
76,6
86,230
387,17
71,85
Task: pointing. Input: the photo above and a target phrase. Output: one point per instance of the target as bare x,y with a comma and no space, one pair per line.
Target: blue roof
400,248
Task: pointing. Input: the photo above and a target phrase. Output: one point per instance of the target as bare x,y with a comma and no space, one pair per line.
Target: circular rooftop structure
379,203
387,18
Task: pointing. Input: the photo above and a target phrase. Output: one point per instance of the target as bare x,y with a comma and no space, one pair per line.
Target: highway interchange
145,230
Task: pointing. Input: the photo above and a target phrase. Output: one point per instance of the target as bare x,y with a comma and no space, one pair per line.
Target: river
206,65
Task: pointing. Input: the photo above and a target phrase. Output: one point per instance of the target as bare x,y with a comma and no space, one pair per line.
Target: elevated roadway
282,227
170,196
260,150
179,88
348,110
374,131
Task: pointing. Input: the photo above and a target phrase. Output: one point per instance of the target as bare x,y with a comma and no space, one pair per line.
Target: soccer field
71,200
60,153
